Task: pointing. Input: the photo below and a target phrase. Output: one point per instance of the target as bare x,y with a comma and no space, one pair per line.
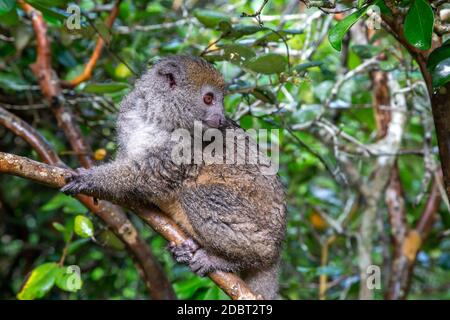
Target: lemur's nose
214,120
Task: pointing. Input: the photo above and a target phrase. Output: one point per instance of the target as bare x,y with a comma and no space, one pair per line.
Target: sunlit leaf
39,282
83,227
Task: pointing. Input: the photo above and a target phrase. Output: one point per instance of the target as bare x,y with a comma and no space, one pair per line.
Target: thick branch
54,177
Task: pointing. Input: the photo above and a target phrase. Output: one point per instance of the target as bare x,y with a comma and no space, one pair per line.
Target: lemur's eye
171,80
208,98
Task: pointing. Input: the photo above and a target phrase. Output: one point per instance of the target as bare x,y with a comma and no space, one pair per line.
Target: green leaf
337,33
69,204
238,54
38,282
13,82
83,227
6,6
187,288
10,18
438,65
267,63
69,279
122,71
59,227
441,74
304,66
49,3
437,56
210,18
48,11
105,87
418,26
213,293
384,9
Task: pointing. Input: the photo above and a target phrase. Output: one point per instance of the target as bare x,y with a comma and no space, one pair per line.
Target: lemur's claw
76,182
201,263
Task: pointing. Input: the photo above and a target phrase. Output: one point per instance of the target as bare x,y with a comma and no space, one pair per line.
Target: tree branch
55,177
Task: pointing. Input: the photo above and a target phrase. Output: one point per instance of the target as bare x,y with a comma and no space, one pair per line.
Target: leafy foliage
279,75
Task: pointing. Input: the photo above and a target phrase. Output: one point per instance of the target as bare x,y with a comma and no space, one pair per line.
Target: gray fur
234,213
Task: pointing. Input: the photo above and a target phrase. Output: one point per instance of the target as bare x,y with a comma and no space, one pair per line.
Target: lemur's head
192,87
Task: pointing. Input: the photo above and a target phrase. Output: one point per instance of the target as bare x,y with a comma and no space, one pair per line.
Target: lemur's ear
171,72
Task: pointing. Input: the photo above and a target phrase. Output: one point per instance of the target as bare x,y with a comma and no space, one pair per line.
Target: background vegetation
358,153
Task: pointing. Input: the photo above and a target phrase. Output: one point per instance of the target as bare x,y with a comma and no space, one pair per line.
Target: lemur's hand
77,182
200,261
183,252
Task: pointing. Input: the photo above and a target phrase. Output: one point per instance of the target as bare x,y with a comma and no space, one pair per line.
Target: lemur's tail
263,281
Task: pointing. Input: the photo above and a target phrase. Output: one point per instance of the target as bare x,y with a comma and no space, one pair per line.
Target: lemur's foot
184,252
77,182
203,263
